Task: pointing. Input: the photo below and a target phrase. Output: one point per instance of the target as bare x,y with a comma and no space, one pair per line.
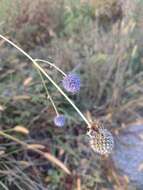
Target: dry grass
109,59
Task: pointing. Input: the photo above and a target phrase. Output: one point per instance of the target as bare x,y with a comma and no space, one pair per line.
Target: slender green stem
51,64
49,78
48,94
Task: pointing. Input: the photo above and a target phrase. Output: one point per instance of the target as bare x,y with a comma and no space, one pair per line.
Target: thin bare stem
51,64
49,78
48,94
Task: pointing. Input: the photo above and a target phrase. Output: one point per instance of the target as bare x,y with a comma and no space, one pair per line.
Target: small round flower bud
101,141
71,83
59,120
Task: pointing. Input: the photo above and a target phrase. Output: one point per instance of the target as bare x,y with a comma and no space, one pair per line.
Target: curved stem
48,94
49,78
51,64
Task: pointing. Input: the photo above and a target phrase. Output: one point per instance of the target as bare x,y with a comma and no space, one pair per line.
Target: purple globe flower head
59,120
71,83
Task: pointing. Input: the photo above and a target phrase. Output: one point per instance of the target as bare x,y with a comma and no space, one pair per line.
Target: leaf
21,97
27,81
37,146
21,129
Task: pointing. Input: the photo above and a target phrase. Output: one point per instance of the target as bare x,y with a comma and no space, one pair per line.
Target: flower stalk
51,64
48,77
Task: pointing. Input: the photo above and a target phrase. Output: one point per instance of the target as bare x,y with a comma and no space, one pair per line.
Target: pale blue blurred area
128,155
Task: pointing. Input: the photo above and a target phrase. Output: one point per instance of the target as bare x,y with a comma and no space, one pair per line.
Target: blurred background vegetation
99,39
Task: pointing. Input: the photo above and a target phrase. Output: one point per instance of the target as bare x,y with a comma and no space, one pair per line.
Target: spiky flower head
101,141
71,83
59,120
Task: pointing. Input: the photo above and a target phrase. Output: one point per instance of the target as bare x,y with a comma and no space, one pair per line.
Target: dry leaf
35,146
2,108
21,129
126,179
22,97
24,163
78,181
61,152
2,152
27,81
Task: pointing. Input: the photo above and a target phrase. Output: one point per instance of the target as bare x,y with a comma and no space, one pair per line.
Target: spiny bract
71,83
101,141
59,120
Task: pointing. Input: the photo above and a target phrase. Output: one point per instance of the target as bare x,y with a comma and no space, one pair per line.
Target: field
43,41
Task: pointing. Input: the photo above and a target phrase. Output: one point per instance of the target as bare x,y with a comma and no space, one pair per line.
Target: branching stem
51,64
48,77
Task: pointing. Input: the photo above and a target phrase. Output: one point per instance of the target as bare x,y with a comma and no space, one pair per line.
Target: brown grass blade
27,81
37,146
21,129
56,161
22,97
78,182
32,147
